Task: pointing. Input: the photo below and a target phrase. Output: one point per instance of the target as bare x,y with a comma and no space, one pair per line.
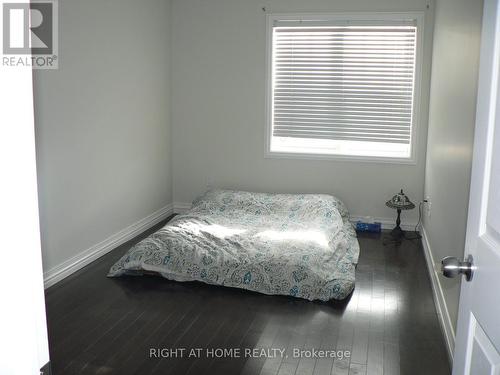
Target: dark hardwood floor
110,326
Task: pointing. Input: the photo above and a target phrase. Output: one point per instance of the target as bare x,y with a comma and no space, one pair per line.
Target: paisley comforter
297,245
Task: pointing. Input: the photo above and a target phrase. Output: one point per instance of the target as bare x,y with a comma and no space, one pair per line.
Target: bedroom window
344,86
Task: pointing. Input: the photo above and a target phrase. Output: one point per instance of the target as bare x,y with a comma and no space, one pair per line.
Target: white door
24,346
477,349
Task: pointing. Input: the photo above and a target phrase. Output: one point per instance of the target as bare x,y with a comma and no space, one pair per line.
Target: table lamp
399,202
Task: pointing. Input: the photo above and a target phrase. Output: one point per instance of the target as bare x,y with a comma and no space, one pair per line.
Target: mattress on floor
284,244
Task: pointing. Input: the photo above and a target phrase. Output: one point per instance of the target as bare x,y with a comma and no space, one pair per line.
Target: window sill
337,157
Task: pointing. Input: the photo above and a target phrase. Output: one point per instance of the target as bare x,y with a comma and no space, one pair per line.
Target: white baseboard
87,256
387,222
439,300
181,207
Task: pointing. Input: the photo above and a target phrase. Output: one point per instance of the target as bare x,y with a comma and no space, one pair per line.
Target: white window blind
350,82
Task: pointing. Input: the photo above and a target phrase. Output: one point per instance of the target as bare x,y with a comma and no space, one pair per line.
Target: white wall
102,124
452,112
218,108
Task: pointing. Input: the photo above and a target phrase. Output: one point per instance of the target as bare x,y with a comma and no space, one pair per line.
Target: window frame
416,16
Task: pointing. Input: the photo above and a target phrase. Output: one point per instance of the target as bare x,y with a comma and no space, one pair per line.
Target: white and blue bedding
296,245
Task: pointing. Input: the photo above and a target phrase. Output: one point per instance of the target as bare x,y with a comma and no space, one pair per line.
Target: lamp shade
400,202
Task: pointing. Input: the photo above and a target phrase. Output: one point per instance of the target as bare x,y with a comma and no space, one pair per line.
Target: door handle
452,267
